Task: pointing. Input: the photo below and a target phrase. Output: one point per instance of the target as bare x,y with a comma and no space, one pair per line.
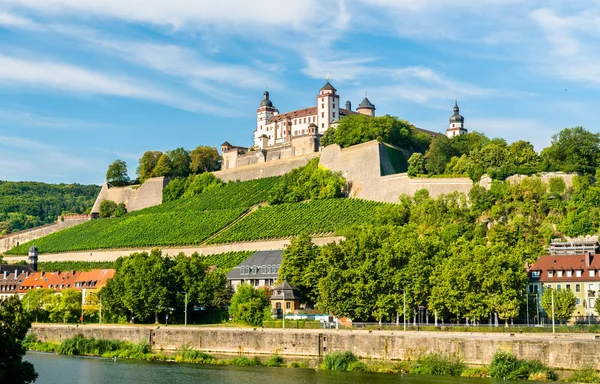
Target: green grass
229,260
285,220
180,222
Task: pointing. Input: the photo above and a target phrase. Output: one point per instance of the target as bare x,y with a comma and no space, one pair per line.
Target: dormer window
550,273
578,273
535,274
560,273
592,273
569,273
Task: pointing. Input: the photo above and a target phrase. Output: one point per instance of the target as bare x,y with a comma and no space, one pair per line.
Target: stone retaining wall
560,351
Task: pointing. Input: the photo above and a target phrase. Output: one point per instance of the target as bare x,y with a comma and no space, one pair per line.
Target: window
550,273
560,273
578,273
577,288
591,287
288,305
568,286
263,269
569,273
577,301
558,287
322,125
535,274
333,114
592,273
323,115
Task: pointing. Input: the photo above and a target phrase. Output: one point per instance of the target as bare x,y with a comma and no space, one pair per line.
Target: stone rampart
558,351
135,197
14,239
266,169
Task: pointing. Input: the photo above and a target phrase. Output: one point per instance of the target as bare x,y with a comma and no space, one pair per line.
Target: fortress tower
263,115
366,107
457,123
328,107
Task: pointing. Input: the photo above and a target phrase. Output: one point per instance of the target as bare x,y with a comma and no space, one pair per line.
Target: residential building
259,270
579,273
285,299
90,283
11,278
575,247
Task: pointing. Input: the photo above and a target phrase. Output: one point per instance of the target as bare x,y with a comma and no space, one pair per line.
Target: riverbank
560,351
504,365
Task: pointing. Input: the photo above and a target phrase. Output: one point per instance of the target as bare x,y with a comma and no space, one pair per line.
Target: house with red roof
579,273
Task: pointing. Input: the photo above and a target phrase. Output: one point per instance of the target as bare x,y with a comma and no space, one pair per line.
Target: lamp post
186,305
527,302
403,306
553,329
100,314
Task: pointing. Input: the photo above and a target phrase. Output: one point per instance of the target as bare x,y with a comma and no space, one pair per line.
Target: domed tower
366,107
457,123
33,259
263,114
328,106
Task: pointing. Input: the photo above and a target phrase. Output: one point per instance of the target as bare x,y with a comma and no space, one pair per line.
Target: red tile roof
584,263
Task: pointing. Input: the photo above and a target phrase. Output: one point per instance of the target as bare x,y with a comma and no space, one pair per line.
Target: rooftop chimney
16,273
5,274
348,105
588,259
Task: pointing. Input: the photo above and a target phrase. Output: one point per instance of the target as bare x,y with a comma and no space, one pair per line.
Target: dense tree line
177,163
147,287
356,129
474,154
455,259
26,205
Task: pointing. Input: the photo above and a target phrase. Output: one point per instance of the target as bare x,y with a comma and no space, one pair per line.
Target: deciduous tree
148,162
117,173
205,159
14,324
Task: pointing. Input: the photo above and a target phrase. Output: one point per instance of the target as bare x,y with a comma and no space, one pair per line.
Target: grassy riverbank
503,366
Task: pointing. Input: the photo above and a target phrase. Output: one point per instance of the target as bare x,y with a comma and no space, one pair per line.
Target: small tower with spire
265,111
457,123
366,107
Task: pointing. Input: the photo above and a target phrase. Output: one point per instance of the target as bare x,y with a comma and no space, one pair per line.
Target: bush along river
119,362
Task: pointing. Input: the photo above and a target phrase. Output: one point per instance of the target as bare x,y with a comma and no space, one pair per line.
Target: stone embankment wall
14,239
135,197
560,351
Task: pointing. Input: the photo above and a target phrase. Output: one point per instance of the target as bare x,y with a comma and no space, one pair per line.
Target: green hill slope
181,222
194,220
285,220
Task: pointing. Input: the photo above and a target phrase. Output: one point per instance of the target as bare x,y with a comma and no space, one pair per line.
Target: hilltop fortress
297,133
284,141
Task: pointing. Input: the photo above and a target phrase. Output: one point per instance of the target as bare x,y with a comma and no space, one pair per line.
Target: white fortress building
284,135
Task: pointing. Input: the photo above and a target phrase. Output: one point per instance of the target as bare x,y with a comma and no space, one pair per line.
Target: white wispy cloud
60,76
184,13
9,20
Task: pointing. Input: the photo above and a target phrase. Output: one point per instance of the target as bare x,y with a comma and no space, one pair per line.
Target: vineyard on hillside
181,222
62,266
314,217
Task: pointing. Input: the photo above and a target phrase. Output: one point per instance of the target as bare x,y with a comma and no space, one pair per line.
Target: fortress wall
12,240
135,197
563,351
267,169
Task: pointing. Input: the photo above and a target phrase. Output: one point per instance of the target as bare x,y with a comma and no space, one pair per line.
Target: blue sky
85,82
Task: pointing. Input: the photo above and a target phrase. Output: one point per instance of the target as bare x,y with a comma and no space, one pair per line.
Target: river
54,369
